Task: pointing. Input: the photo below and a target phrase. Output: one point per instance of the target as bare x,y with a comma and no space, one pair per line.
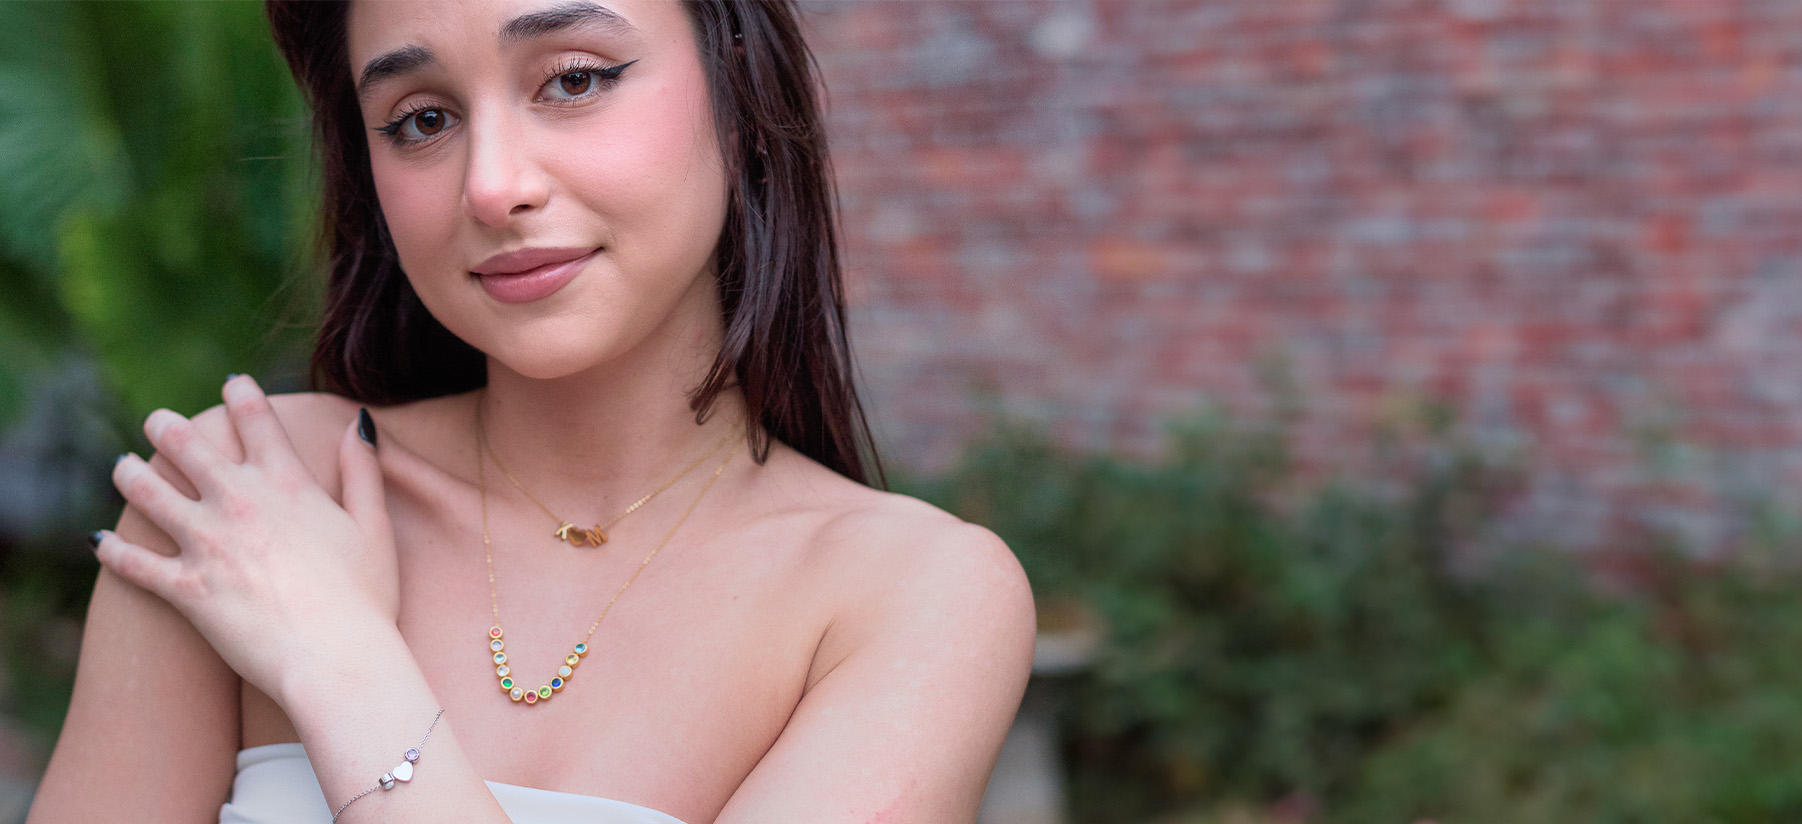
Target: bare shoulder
895,566
925,653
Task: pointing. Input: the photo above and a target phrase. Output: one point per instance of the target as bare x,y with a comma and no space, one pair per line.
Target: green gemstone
544,692
506,683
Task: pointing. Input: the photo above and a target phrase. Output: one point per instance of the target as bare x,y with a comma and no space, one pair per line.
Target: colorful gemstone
507,684
503,670
500,658
496,645
544,692
564,671
556,683
494,633
532,697
412,754
572,659
516,693
581,649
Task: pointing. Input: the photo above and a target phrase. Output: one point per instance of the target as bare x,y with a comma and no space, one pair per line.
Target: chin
549,365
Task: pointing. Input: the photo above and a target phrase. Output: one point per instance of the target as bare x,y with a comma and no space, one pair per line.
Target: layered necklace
496,643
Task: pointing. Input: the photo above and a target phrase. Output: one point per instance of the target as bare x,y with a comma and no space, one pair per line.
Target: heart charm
404,772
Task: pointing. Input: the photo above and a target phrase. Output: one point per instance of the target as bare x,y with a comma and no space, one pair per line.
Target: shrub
1346,644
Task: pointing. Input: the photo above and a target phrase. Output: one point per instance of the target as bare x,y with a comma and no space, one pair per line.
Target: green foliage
1275,632
153,157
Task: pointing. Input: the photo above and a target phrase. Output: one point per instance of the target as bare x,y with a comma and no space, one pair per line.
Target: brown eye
429,122
576,82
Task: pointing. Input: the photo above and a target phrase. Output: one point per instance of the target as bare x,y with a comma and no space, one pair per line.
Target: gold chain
566,531
495,643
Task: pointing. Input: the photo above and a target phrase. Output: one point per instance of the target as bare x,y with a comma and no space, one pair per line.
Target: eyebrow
561,17
393,64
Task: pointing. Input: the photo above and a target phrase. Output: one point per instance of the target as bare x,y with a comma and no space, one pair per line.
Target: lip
531,274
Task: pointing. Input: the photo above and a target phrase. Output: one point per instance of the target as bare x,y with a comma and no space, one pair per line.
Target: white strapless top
275,784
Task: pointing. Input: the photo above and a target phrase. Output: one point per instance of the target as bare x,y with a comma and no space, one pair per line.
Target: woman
584,281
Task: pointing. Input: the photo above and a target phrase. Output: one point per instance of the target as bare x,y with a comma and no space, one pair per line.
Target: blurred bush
1366,649
158,198
154,163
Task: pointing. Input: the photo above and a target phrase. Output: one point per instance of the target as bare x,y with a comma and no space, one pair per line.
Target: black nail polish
94,539
366,427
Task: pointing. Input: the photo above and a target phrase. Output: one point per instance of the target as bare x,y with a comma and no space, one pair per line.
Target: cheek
419,204
656,178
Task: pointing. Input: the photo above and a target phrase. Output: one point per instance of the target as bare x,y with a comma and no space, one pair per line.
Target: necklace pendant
577,536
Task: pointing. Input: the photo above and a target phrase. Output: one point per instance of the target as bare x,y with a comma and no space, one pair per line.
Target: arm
916,684
153,723
298,595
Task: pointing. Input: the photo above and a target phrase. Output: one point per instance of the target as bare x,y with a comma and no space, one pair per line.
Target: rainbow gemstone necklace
497,644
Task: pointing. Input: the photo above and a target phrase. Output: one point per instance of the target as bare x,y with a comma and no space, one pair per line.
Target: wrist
369,657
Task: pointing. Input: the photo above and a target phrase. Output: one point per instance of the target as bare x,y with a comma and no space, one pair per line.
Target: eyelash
604,78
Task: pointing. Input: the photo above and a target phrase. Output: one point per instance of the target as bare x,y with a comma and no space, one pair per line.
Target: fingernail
366,427
228,378
122,456
95,537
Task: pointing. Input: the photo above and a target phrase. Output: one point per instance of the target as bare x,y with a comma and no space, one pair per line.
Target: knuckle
188,587
249,404
237,505
137,485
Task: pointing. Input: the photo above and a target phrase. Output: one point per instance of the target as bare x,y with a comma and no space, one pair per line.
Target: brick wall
1578,221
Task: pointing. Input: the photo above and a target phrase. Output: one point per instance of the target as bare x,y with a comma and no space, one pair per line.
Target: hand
273,572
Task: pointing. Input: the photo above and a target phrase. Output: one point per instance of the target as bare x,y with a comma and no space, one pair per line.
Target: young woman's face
575,134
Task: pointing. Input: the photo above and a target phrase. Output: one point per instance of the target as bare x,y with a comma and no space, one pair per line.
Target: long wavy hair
780,286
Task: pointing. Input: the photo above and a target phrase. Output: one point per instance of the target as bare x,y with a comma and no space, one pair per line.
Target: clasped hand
271,570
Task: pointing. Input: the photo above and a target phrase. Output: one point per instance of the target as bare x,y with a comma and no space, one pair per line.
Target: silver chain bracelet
402,772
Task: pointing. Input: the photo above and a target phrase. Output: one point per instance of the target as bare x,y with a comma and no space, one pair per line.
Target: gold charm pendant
577,536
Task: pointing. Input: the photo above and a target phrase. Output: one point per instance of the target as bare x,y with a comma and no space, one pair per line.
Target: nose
501,181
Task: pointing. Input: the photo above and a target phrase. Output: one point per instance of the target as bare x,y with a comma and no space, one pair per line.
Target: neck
596,440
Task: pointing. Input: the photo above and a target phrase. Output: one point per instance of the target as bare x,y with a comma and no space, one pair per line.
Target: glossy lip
525,260
531,274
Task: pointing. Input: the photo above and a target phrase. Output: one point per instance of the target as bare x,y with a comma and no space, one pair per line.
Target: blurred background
1394,402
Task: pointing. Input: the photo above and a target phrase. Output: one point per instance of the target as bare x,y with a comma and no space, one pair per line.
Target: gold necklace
497,646
566,531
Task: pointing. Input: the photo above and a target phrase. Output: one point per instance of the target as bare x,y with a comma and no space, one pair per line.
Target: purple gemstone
412,755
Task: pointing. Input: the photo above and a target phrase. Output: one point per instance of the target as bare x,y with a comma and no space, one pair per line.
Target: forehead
378,27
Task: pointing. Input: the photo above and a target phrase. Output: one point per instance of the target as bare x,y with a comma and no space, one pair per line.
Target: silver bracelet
402,772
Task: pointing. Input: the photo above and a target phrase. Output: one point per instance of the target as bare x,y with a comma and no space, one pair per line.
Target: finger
152,494
180,442
148,569
361,473
265,439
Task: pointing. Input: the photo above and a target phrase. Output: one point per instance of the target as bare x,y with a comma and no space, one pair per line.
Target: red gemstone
494,633
532,697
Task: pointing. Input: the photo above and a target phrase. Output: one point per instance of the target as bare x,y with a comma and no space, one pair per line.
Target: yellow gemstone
573,660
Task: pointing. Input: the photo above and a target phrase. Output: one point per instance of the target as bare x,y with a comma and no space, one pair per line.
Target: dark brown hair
781,291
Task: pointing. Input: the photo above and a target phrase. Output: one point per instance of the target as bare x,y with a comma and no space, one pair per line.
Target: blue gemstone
581,649
556,682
